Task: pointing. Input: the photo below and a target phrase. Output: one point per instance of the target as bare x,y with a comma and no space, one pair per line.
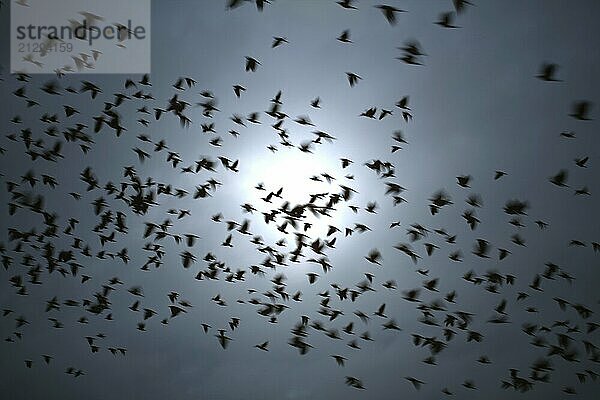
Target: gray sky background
477,108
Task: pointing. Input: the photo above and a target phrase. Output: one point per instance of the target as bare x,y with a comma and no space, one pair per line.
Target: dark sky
476,106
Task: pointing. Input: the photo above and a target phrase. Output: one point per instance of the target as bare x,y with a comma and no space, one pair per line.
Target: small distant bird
580,110
446,20
251,64
560,179
345,37
498,175
354,382
352,78
374,257
547,72
463,180
278,41
415,382
581,162
460,5
238,89
347,4
262,346
389,12
339,359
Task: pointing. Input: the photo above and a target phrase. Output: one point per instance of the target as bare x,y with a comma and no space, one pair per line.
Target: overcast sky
477,107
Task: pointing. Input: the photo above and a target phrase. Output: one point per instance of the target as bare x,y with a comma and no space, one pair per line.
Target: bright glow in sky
292,170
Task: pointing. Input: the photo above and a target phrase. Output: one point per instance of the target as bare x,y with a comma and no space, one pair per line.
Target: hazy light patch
292,170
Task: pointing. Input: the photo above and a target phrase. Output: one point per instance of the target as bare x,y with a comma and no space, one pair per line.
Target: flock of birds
59,245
